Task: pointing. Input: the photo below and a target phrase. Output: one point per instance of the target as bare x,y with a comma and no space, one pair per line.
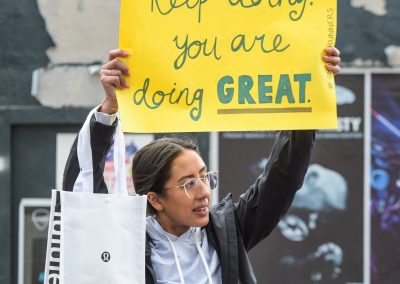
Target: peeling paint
69,86
3,164
94,69
83,31
35,82
376,7
393,55
363,63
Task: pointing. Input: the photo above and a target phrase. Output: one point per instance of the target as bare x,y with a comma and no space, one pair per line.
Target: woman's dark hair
151,165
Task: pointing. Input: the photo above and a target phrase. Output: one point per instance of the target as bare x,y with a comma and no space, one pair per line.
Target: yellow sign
227,65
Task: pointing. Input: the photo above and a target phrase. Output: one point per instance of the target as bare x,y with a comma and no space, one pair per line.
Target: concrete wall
67,41
82,31
368,33
51,51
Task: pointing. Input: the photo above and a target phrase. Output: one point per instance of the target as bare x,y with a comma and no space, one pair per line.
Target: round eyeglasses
210,180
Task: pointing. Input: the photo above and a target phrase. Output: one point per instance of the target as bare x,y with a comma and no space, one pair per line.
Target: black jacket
234,228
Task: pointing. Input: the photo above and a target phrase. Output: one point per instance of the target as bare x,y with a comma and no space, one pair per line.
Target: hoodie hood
184,259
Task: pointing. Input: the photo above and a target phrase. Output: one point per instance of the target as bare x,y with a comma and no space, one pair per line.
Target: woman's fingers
115,53
111,81
112,76
332,51
332,58
118,65
335,69
114,73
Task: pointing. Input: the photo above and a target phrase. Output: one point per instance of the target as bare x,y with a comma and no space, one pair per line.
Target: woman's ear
154,200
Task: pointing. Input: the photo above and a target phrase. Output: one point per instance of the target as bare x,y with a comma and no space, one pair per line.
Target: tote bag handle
84,182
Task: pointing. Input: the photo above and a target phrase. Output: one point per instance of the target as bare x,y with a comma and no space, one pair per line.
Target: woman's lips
203,210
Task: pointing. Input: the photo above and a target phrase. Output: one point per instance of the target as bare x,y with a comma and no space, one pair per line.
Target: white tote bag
96,238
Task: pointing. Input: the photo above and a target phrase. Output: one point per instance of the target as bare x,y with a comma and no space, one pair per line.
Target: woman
187,242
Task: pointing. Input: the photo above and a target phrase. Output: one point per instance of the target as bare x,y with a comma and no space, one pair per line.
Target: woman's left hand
332,59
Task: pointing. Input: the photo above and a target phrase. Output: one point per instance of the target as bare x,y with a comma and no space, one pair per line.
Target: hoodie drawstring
176,260
203,259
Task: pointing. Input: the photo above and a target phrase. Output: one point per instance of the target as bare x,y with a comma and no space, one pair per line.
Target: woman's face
179,211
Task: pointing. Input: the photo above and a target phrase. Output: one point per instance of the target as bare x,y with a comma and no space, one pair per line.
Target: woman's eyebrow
203,169
185,177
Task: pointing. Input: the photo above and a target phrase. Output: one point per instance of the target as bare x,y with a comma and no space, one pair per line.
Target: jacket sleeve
261,207
101,137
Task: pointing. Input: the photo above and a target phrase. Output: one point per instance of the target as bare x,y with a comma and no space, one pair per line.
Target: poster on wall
320,239
385,179
133,142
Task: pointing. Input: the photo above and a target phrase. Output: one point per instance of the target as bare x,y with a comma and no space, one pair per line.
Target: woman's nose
202,191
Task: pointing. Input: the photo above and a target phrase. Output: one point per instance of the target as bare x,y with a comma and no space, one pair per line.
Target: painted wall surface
23,45
368,33
53,49
68,40
83,32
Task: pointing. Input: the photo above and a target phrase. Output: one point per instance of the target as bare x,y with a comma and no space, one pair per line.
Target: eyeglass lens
210,179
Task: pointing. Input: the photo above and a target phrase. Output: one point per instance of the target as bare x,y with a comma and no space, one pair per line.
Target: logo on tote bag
55,247
105,256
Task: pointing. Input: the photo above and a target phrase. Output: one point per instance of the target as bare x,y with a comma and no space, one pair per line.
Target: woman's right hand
112,77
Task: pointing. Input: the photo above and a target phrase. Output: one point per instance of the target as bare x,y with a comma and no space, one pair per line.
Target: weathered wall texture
23,45
368,33
83,31
63,38
376,7
62,43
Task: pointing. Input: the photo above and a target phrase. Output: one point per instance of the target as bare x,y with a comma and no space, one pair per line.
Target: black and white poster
320,239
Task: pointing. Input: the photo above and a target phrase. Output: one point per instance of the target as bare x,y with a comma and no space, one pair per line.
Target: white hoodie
180,259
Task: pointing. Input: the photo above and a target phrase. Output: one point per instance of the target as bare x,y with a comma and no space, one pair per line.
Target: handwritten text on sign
201,65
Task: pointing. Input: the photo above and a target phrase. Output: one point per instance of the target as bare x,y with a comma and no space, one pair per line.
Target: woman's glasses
210,180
